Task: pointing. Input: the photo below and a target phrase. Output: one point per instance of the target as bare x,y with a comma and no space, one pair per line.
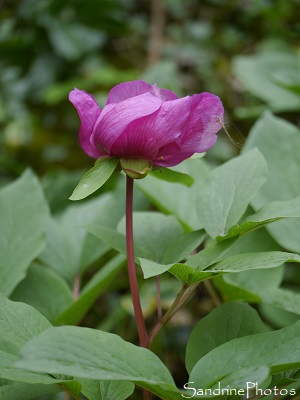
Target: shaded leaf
45,291
278,350
23,225
227,322
92,354
228,190
91,291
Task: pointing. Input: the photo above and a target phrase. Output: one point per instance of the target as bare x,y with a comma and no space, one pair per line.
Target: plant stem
168,315
159,310
76,288
140,323
212,292
139,319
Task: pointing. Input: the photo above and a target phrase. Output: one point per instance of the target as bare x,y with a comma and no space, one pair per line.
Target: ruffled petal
114,120
144,137
126,90
88,111
171,161
200,132
163,94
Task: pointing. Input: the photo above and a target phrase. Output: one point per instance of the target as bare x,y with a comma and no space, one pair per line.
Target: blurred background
47,47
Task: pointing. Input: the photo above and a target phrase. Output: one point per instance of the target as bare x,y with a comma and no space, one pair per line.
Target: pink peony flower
141,121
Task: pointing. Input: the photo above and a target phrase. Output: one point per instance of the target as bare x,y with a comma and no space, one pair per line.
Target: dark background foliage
49,46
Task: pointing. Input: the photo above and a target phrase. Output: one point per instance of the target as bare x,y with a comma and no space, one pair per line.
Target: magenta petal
163,94
88,111
171,161
144,137
126,90
200,132
112,123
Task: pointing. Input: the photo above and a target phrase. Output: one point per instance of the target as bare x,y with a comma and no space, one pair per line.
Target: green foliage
94,354
228,190
254,351
272,76
279,142
23,210
227,322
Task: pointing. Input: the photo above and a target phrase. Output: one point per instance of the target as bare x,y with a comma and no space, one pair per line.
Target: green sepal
136,168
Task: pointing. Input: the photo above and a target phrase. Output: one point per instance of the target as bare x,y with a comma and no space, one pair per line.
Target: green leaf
45,291
87,353
264,285
227,322
106,390
94,178
10,372
180,248
276,316
210,255
148,227
170,175
91,291
279,350
174,198
232,385
259,74
70,248
247,261
19,390
241,262
20,322
23,225
279,142
151,268
111,237
271,212
228,190
172,245
185,272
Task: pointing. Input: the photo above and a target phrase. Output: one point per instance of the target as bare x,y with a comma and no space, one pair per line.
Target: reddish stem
76,288
140,323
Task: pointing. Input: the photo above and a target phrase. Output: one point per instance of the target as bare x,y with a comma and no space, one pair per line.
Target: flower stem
140,323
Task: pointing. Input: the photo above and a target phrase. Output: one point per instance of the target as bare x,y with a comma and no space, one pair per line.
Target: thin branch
169,314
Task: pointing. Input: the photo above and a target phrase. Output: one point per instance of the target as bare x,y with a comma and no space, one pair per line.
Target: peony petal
200,133
88,111
116,117
163,94
144,137
171,161
126,90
